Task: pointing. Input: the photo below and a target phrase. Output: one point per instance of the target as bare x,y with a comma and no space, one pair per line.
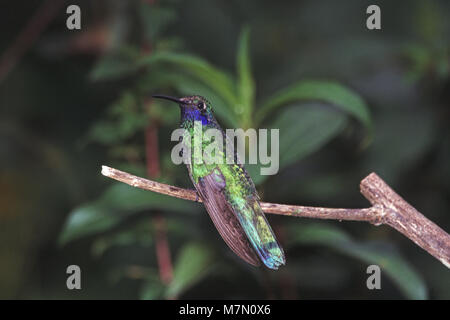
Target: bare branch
404,218
387,208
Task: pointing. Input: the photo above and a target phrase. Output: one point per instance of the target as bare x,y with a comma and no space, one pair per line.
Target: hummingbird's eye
201,105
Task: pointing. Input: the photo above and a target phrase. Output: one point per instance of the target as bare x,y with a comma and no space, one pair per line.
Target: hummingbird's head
195,108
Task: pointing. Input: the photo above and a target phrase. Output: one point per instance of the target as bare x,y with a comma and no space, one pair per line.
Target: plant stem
161,239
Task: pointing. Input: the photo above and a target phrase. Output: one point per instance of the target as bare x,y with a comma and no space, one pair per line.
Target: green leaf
246,84
118,202
388,154
303,130
104,132
141,234
153,288
330,92
125,119
113,132
218,80
195,261
154,19
398,269
418,58
115,64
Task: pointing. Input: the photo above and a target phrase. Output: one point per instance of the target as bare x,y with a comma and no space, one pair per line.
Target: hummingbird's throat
208,144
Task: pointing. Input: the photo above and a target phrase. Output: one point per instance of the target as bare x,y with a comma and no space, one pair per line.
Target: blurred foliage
114,206
409,282
347,101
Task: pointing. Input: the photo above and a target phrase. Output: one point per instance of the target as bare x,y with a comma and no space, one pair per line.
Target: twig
387,208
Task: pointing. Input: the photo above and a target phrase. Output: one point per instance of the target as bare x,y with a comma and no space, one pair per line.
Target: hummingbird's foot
197,198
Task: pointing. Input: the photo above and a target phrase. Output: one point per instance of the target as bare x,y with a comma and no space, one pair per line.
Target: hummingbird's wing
241,214
253,220
211,191
259,232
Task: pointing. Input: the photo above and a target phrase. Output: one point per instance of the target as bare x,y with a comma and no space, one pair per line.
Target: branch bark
387,208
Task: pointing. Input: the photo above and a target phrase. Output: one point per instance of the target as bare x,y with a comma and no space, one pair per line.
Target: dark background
64,113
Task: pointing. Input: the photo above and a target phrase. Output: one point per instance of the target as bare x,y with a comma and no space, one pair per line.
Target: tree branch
387,208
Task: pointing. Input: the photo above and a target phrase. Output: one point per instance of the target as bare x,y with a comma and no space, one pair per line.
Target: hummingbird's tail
261,235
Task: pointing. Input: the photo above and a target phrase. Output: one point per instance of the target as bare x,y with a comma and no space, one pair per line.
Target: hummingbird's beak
158,96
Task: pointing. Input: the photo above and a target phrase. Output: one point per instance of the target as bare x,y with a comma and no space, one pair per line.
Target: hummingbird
228,193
